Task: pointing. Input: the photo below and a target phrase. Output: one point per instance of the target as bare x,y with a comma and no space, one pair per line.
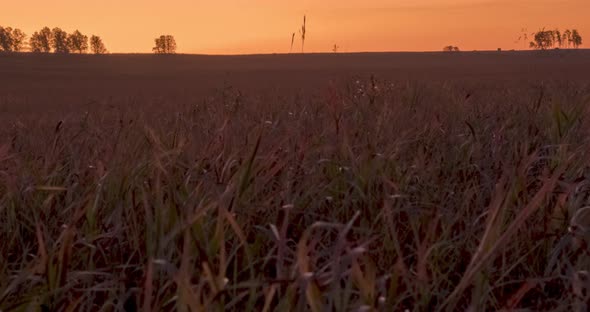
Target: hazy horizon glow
265,26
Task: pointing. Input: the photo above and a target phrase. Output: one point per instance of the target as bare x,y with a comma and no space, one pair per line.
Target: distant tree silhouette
77,42
451,48
5,39
34,43
302,32
576,38
18,40
335,48
41,41
292,42
567,37
46,39
551,36
557,37
165,44
97,46
59,40
543,39
532,45
11,40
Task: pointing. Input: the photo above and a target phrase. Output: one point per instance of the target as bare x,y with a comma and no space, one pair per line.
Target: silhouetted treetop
77,42
576,38
97,46
451,48
46,40
165,44
545,39
41,41
11,40
59,41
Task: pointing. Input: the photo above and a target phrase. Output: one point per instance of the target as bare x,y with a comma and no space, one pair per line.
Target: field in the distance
364,182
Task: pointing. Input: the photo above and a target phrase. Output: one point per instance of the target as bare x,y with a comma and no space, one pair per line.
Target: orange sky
265,26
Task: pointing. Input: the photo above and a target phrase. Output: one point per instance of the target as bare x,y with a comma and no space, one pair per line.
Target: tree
11,40
41,41
557,37
59,41
551,36
18,40
576,38
165,44
77,42
97,46
34,42
567,37
451,48
543,39
5,39
45,39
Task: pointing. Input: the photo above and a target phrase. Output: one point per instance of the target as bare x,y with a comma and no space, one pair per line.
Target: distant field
68,83
130,74
322,182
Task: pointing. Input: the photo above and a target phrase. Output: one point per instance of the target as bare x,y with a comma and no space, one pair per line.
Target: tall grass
372,196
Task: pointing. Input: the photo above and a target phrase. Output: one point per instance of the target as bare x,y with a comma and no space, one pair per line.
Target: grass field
344,182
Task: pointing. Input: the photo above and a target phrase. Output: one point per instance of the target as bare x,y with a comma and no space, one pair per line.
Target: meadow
332,182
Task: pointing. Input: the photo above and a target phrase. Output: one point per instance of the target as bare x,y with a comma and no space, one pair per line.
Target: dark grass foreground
374,196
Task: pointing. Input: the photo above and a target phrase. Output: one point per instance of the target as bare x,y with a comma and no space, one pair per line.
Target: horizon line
295,54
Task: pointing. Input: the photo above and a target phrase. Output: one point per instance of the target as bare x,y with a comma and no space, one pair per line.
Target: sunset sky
265,26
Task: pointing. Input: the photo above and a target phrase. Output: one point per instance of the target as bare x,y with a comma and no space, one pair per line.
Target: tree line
57,40
545,39
49,40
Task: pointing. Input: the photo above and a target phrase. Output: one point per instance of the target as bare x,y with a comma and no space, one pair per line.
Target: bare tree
97,46
78,42
59,41
292,42
165,44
